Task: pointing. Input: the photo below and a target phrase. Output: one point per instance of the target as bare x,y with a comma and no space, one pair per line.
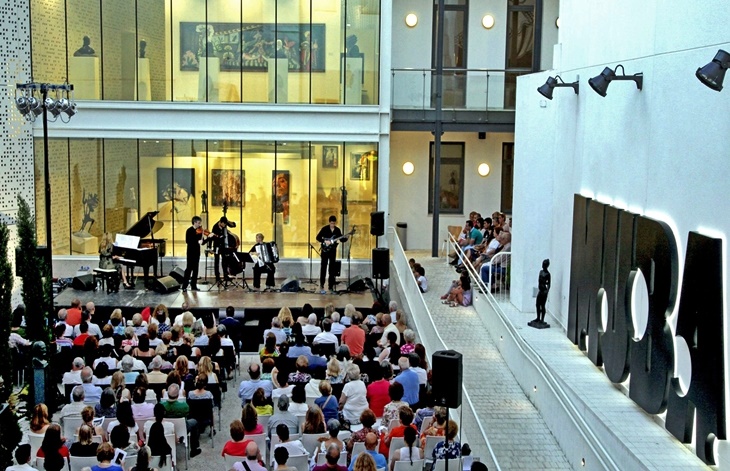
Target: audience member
327,403
332,456
53,450
353,399
409,379
77,404
371,442
179,409
85,446
283,416
294,447
74,376
390,411
249,418
22,457
39,420
253,460
410,451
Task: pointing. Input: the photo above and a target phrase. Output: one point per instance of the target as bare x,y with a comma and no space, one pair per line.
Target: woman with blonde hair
119,387
87,416
285,314
85,446
334,374
39,420
364,462
205,367
107,260
117,321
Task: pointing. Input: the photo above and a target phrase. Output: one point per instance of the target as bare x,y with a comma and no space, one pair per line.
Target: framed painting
280,192
359,166
175,185
249,46
330,156
228,186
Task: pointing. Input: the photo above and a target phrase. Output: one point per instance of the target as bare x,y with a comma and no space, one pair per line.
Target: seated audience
449,448
378,392
390,411
175,409
283,416
371,442
298,405
409,379
77,404
261,404
248,387
253,460
353,399
125,418
332,456
314,421
105,455
410,451
294,447
327,403
22,457
85,446
87,417
367,420
39,419
236,446
107,406
437,426
249,418
74,376
53,450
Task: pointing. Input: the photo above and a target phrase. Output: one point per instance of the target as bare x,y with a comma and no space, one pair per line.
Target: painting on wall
249,46
330,156
175,193
228,186
280,192
359,166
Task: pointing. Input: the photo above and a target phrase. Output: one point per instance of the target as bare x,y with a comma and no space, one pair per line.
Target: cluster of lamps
483,168
711,75
412,20
58,101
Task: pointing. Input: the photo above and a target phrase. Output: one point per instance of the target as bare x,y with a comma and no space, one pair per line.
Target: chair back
358,448
440,465
395,444
155,463
393,424
310,441
70,424
301,462
431,442
264,421
310,401
94,438
181,428
426,423
322,459
35,440
300,422
129,462
215,390
140,426
259,439
272,444
79,462
230,460
406,465
202,411
172,443
39,463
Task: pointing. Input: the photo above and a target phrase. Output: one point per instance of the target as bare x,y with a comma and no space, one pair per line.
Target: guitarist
326,237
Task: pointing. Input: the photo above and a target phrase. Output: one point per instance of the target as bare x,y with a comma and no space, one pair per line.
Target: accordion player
266,255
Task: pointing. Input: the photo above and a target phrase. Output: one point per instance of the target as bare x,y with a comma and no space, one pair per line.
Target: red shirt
378,396
354,338
73,316
81,339
63,450
146,314
256,431
232,448
396,432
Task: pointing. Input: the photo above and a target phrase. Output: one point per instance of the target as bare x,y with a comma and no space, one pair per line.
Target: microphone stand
343,212
311,249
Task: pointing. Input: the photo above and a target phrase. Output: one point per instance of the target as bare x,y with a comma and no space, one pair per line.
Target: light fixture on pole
33,101
713,73
600,83
547,88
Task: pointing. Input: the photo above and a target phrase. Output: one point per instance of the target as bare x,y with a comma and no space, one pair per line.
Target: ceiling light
546,89
483,169
411,20
488,21
713,73
408,168
600,83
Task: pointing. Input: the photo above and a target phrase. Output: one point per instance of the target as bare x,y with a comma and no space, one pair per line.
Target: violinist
194,238
223,244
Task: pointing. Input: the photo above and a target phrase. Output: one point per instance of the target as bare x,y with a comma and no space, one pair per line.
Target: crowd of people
341,373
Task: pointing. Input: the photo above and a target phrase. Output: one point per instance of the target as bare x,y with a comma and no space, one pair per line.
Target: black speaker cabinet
358,284
338,267
179,274
83,282
447,376
290,285
381,263
165,284
377,223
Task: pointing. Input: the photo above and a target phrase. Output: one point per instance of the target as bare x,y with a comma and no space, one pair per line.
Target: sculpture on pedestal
142,47
543,287
86,50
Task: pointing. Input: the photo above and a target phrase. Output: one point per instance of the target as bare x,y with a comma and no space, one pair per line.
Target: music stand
242,258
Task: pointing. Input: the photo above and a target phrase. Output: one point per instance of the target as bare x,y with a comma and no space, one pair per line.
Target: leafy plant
6,292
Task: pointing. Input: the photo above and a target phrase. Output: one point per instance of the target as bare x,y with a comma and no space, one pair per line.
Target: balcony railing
463,89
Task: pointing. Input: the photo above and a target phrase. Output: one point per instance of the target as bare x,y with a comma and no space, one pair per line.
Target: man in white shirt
415,362
311,327
326,336
337,328
294,447
22,456
69,332
389,327
74,376
75,408
276,330
247,388
92,393
253,456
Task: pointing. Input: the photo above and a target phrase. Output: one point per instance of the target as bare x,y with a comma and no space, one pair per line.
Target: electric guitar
326,248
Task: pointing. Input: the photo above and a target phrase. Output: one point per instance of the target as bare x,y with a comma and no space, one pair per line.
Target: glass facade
285,190
234,51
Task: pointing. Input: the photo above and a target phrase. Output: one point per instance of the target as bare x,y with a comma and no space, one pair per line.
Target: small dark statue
86,50
543,287
204,202
90,203
351,46
142,49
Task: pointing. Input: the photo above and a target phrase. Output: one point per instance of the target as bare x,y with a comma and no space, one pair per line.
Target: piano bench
108,279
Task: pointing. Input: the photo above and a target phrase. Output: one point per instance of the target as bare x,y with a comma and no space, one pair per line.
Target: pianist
107,260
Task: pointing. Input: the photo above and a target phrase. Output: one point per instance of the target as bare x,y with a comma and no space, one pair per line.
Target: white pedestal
353,81
211,84
144,92
84,243
84,74
132,217
279,82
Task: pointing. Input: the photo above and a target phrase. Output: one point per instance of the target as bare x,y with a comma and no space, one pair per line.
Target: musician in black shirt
268,267
223,244
329,252
194,237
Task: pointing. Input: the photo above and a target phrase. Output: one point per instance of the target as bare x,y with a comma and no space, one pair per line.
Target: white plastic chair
406,465
395,444
70,424
393,424
79,462
440,465
155,463
181,431
230,460
263,420
259,439
39,463
301,462
94,438
35,440
129,462
322,459
426,423
310,441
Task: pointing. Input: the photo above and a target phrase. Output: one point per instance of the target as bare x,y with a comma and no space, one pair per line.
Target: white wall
661,152
409,194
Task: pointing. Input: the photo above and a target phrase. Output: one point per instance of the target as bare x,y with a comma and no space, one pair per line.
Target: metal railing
463,89
535,360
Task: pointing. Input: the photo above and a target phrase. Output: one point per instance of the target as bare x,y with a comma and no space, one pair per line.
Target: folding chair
431,442
155,463
202,411
79,462
406,465
215,390
440,465
35,440
70,424
230,460
181,431
395,443
322,459
310,441
300,462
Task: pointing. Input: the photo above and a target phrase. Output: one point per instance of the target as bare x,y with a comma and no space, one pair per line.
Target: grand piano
147,252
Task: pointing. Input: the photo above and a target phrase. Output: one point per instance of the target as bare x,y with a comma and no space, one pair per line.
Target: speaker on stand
165,284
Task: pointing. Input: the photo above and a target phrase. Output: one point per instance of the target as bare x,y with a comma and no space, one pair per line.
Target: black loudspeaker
358,284
83,282
290,285
338,267
377,223
482,135
447,376
381,263
165,284
179,274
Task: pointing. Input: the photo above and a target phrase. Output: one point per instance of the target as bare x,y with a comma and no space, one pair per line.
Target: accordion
267,252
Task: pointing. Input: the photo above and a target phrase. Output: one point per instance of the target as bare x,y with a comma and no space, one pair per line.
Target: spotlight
23,105
600,83
713,73
67,107
36,107
546,90
53,106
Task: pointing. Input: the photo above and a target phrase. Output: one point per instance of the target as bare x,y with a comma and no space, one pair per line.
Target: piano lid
146,225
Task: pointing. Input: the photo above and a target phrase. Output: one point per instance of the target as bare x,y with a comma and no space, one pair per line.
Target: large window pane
363,42
451,178
48,43
361,165
190,72
121,185
224,21
255,66
326,57
154,82
83,23
182,198
156,188
257,215
120,50
294,38
291,189
58,166
87,195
